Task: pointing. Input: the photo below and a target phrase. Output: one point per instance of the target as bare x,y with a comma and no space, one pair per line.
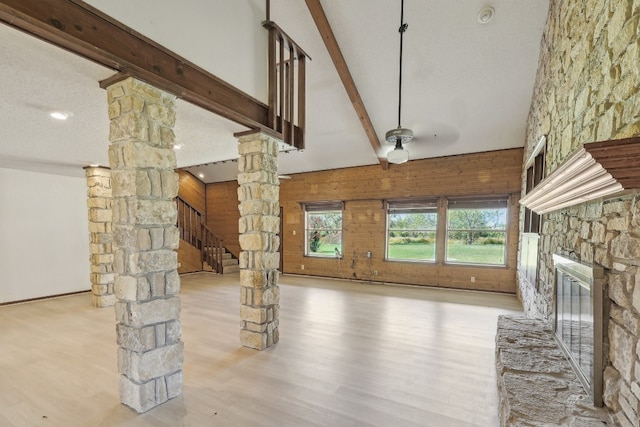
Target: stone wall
586,91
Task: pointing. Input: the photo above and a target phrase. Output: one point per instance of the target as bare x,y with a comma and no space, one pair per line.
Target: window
411,230
532,225
323,229
476,231
535,174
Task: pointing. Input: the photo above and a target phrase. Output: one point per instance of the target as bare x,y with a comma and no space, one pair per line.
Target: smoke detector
486,14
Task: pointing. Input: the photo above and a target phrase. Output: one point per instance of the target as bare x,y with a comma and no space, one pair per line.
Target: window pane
477,219
323,233
413,221
324,242
476,236
323,220
489,249
412,236
412,245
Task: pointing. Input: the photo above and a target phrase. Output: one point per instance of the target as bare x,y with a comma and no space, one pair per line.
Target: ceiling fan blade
444,138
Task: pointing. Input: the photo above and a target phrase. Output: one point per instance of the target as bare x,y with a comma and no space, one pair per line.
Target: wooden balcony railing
287,62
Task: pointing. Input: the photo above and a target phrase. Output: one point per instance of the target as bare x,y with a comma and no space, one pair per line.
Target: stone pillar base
259,314
145,396
102,301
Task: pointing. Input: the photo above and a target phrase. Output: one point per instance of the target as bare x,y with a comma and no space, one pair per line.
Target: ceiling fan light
398,155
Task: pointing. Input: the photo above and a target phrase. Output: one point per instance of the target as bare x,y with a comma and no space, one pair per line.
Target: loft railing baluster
282,86
290,103
301,99
287,95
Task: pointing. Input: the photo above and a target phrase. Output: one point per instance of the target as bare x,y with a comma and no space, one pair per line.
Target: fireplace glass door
577,329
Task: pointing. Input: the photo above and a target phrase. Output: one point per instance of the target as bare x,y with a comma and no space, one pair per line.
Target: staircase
228,262
213,255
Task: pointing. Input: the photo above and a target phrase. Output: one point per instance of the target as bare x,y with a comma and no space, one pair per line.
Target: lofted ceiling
466,86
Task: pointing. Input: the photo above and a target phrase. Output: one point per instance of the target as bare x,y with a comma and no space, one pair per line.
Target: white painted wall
44,243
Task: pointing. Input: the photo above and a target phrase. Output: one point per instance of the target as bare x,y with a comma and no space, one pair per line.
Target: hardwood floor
350,354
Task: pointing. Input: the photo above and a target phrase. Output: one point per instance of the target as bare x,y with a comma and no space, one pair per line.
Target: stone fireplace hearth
536,385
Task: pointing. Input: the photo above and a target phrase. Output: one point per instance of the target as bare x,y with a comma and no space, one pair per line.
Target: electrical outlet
368,254
375,272
294,232
179,264
473,279
301,266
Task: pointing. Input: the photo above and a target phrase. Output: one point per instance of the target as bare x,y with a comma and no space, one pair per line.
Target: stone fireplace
585,90
579,325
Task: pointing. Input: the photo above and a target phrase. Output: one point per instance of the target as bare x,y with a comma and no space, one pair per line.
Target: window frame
413,206
477,203
322,207
535,173
528,254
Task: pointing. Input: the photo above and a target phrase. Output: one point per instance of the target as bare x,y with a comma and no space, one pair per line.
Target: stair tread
230,269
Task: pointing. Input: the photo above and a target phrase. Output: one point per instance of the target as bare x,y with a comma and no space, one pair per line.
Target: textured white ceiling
466,88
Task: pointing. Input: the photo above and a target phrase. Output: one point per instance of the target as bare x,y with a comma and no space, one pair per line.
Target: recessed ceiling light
486,14
61,115
177,146
201,175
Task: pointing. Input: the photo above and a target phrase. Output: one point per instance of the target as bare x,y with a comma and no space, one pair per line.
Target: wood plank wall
192,191
189,258
223,214
364,222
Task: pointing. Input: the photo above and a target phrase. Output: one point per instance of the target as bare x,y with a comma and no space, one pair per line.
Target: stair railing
212,249
189,223
193,230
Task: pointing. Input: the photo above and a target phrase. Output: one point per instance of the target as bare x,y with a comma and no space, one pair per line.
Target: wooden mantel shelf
621,158
598,169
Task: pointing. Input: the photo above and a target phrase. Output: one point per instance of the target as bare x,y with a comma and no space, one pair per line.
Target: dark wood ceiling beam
78,27
319,17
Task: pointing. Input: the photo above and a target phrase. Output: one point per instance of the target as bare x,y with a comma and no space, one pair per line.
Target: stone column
259,197
150,353
99,202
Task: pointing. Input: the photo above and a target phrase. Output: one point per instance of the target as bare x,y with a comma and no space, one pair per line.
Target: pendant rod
401,30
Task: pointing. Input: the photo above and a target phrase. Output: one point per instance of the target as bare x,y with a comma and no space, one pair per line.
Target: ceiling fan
399,136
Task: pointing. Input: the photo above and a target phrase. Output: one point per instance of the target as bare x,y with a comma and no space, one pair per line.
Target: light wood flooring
350,354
